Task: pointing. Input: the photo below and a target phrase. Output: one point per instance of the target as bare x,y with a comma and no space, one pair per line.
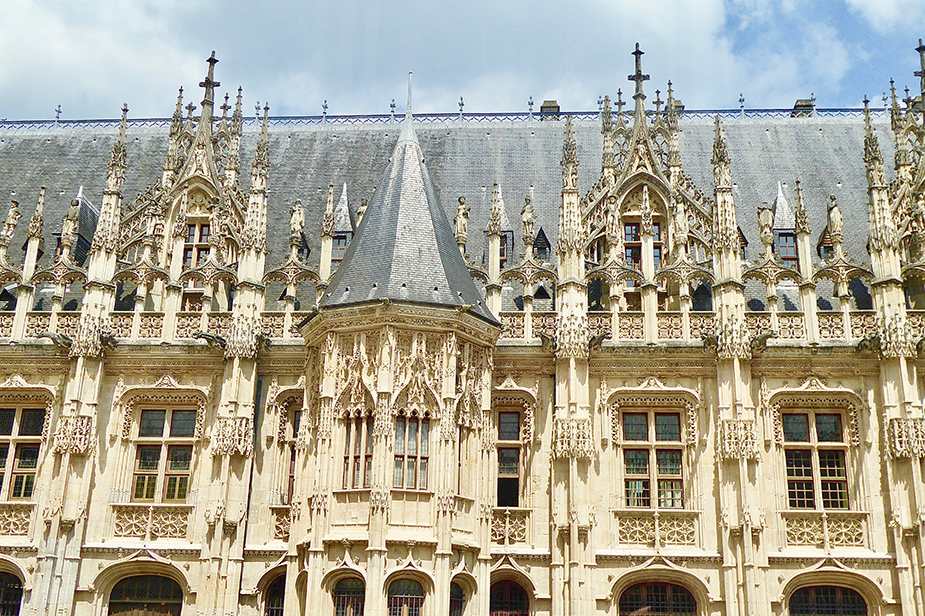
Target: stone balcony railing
146,521
664,326
656,528
825,529
510,525
15,518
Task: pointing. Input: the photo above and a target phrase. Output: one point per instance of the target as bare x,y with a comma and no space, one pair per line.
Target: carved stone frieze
74,434
738,439
572,438
233,436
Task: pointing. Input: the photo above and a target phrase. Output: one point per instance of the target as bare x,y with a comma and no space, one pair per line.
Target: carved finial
638,77
569,158
361,211
225,107
117,157
921,73
801,221
392,108
408,113
606,116
658,101
741,104
327,223
620,103
37,221
494,217
57,114
871,145
209,83
262,151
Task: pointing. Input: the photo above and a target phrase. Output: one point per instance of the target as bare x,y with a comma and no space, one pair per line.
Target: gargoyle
759,342
870,343
549,343
263,339
62,341
107,339
595,342
211,339
709,339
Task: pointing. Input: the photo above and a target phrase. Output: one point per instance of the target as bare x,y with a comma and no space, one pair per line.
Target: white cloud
886,14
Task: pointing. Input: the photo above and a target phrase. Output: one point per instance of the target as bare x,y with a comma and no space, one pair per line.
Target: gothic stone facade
659,400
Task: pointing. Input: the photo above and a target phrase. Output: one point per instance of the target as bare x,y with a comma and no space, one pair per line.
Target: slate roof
404,248
463,159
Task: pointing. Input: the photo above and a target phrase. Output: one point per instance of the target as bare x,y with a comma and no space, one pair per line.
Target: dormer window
339,248
786,248
541,246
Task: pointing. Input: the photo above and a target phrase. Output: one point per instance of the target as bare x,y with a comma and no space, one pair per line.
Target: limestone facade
602,444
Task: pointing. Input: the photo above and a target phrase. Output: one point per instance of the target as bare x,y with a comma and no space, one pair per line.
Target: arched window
10,594
457,599
406,598
657,599
275,598
349,597
146,595
827,601
508,599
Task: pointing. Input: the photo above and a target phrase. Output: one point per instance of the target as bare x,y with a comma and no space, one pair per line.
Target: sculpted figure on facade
766,225
461,221
528,217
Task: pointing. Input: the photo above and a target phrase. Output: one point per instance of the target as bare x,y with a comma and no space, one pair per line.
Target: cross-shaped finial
209,82
461,104
658,100
638,77
190,108
324,107
908,99
58,113
225,106
600,103
619,101
530,104
392,106
257,110
741,100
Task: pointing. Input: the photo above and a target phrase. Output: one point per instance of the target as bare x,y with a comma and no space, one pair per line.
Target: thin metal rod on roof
741,105
530,107
408,108
57,115
392,112
461,105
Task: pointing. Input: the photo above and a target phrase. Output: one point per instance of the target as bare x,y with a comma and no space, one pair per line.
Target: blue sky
91,56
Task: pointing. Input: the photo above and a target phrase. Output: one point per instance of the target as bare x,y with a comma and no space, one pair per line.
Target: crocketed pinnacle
405,249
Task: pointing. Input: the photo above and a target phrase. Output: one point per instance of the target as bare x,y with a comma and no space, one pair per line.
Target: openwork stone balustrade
656,528
509,525
144,521
825,529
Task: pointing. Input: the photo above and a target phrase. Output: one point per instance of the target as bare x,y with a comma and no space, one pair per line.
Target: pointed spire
405,250
262,152
783,214
921,73
569,158
342,222
407,128
117,157
177,120
872,154
607,130
38,220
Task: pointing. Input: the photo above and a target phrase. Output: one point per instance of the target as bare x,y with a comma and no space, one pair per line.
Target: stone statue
681,224
461,221
296,219
361,212
69,225
9,227
528,216
835,220
766,224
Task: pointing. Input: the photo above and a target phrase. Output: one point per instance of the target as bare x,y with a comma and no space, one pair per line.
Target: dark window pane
799,463
148,458
637,493
828,428
636,462
508,492
6,421
668,427
33,420
152,423
27,457
669,462
182,423
179,458
508,461
635,427
796,427
508,426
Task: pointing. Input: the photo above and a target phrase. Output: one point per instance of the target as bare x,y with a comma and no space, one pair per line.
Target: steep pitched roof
404,249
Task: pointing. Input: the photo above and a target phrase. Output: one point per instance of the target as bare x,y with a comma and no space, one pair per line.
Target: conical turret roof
405,249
